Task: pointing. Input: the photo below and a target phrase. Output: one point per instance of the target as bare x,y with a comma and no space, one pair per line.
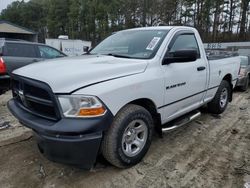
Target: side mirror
181,56
86,49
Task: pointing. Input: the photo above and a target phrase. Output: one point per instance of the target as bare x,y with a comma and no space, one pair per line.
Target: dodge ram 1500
111,99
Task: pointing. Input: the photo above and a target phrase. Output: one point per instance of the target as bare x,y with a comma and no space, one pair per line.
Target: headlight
81,106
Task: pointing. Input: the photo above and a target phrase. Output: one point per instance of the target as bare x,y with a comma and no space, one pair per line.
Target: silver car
244,73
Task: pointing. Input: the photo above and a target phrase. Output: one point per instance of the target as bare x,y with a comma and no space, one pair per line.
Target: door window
185,41
49,53
20,50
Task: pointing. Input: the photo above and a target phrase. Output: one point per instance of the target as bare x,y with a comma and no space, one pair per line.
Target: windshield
140,44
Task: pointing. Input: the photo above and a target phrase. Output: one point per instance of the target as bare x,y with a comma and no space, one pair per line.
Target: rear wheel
221,98
129,137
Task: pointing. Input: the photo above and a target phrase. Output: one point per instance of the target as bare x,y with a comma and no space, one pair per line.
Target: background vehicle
17,53
110,100
244,74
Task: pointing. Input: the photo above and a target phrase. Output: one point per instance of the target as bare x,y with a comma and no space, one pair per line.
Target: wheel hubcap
134,138
223,98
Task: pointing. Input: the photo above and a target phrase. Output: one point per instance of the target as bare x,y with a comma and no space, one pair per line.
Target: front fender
117,93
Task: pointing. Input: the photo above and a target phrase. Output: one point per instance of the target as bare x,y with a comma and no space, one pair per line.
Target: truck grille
35,97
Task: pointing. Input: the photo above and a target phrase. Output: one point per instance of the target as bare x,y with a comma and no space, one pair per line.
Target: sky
5,3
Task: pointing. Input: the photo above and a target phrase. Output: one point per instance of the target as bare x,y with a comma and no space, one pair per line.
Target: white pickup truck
111,99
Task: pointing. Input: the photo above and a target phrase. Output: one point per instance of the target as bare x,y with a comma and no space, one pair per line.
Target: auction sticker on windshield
153,43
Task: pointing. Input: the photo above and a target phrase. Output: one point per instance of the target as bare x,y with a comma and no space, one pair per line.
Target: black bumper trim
70,140
241,81
80,152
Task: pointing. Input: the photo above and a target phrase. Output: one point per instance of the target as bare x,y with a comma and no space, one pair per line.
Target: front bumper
69,140
241,81
81,152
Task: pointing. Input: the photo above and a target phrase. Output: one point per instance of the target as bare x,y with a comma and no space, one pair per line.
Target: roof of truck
161,28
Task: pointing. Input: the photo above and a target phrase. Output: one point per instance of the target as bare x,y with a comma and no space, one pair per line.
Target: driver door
185,82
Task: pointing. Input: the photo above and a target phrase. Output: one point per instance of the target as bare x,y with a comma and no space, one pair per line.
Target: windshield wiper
118,55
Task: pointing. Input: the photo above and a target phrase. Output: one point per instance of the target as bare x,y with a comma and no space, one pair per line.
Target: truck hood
68,74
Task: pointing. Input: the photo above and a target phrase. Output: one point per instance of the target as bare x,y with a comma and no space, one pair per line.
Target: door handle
201,68
35,60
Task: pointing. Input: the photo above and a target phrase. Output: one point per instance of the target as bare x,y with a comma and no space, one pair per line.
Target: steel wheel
223,98
128,139
220,101
134,138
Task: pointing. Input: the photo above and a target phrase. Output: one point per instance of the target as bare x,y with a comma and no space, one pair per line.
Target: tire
133,124
245,87
220,101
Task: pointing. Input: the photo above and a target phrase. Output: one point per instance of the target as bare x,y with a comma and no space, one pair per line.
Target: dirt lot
210,152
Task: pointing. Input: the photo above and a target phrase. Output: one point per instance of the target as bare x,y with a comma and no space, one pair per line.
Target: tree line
216,20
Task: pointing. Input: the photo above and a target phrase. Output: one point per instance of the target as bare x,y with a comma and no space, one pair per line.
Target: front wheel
220,101
129,137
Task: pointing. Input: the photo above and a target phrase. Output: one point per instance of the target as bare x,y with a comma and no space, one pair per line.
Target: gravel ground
10,130
213,151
